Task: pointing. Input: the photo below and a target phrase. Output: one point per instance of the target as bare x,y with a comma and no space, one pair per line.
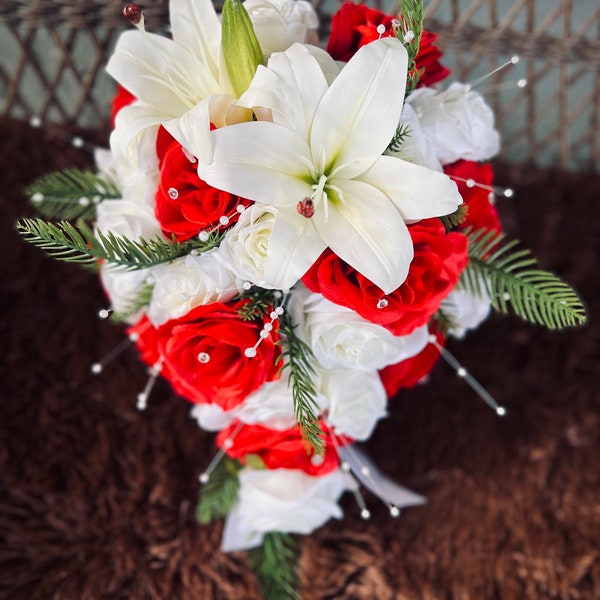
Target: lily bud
240,45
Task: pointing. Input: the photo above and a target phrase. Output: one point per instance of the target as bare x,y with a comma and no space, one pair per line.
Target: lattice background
52,56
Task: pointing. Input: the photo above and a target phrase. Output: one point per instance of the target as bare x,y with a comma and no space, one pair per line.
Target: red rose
434,271
121,99
164,140
203,358
277,449
146,340
355,25
428,60
409,372
185,205
481,214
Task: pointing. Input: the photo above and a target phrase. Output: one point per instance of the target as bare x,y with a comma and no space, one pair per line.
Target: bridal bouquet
290,234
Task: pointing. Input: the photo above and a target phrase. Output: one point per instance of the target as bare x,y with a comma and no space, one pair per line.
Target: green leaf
299,359
220,493
274,564
70,194
65,242
514,282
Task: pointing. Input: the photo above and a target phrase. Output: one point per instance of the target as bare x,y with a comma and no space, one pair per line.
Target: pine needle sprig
442,323
455,219
409,31
70,194
514,282
259,303
62,241
274,565
299,359
80,245
403,132
220,493
139,302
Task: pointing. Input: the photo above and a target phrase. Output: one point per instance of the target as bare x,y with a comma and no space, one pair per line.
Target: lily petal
417,192
294,246
131,124
195,25
367,231
192,130
260,161
292,86
358,115
160,72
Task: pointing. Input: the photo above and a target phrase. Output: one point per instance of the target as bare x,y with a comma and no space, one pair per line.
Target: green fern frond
299,359
220,493
514,283
80,245
70,194
455,219
274,564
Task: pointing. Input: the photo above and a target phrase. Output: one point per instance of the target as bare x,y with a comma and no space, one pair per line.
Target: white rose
286,500
356,401
457,121
272,404
187,282
127,218
245,246
211,417
280,23
416,147
134,163
123,287
465,310
339,337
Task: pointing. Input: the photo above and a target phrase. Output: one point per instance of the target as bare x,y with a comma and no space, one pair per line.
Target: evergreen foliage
139,302
411,18
442,323
299,359
220,493
514,283
259,303
274,564
70,194
80,245
455,219
402,132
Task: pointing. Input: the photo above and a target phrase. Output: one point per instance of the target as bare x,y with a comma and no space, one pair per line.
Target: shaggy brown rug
97,500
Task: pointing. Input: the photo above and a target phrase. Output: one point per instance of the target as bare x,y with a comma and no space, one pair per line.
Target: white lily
325,143
171,76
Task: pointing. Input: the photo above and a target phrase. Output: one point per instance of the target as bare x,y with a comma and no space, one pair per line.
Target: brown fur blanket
97,500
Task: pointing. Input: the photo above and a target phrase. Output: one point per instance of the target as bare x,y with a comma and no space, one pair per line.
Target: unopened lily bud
240,45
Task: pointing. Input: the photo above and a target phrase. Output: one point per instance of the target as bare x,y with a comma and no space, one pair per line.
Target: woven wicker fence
52,55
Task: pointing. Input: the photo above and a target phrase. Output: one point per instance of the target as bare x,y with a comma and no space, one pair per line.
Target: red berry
133,13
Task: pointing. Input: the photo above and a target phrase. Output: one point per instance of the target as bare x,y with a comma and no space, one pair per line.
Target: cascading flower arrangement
290,234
